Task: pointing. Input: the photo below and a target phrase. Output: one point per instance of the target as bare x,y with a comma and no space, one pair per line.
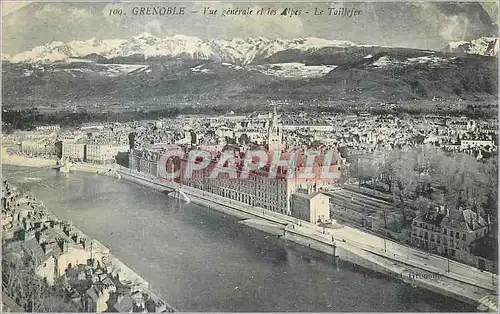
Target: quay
82,247
461,282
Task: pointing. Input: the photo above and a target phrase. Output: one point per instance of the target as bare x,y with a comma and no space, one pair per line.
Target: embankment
20,160
316,239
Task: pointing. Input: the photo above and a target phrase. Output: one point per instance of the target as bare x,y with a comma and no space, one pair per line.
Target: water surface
198,259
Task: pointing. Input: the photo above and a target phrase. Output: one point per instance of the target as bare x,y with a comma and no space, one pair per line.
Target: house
124,304
311,207
154,304
46,255
449,233
55,253
71,255
97,298
74,148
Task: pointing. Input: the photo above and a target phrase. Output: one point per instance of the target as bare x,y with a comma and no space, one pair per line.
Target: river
201,260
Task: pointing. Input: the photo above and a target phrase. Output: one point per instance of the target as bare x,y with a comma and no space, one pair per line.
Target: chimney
84,243
67,230
63,246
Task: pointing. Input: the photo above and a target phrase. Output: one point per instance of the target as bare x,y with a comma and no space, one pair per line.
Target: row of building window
437,229
426,234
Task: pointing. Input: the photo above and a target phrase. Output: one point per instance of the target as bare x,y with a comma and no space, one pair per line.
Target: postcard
237,156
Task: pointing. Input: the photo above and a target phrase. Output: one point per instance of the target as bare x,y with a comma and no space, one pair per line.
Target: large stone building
103,153
450,233
258,188
262,187
38,147
73,149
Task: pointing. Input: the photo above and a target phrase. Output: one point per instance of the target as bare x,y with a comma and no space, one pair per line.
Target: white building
38,147
73,149
465,144
103,153
312,207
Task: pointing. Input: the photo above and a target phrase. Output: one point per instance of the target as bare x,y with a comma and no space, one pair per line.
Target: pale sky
9,7
426,25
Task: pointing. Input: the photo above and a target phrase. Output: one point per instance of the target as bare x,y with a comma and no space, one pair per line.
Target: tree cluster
421,176
28,290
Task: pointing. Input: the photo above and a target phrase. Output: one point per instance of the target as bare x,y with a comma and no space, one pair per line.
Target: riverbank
25,161
346,243
354,250
29,225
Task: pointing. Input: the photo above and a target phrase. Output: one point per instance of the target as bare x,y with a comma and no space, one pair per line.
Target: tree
451,179
244,139
365,170
31,292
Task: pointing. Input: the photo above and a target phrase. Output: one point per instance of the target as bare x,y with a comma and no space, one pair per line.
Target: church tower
274,134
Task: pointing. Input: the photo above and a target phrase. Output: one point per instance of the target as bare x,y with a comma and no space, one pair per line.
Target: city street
415,257
405,272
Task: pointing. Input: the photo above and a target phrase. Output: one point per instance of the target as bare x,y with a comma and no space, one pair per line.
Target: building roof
473,220
108,282
125,305
311,195
35,248
434,218
464,220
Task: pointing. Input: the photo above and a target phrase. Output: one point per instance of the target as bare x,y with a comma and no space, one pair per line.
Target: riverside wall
342,251
127,275
304,235
101,252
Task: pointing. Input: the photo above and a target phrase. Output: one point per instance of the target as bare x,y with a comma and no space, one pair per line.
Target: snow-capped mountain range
238,51
486,46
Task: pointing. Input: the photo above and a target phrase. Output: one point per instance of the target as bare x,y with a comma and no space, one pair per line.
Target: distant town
229,157
422,181
392,168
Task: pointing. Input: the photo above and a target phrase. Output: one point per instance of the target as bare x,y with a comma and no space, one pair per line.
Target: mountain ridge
260,68
240,51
